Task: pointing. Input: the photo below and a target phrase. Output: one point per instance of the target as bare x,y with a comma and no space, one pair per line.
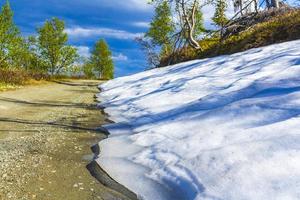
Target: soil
46,135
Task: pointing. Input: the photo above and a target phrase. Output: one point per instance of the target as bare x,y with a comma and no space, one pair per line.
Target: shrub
279,28
20,76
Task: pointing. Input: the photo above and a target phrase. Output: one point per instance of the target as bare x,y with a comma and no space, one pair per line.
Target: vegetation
46,55
177,33
162,26
13,78
278,28
219,17
100,64
175,25
159,34
10,40
56,55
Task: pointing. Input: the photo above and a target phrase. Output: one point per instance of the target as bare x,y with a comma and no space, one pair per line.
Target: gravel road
46,133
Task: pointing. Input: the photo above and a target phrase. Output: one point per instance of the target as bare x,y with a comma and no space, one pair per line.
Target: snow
221,128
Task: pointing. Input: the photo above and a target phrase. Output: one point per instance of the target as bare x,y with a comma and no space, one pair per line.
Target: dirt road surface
46,133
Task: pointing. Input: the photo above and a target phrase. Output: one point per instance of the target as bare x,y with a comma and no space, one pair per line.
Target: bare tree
149,50
186,10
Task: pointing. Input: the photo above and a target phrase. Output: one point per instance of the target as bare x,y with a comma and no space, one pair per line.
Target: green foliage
162,26
280,28
199,27
166,49
174,26
33,58
101,61
54,51
22,56
159,35
219,17
37,63
88,70
9,36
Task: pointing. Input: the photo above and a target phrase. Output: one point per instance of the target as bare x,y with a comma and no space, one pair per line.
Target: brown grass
280,28
14,78
20,76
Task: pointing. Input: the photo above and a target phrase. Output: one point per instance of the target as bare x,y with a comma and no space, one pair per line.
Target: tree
149,49
101,60
52,44
88,70
21,56
219,17
159,35
9,36
162,26
272,4
188,11
199,23
37,63
189,22
176,24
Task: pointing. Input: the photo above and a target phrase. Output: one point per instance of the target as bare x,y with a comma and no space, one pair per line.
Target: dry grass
15,78
279,28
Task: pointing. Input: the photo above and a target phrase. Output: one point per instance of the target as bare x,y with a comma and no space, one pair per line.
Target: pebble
23,155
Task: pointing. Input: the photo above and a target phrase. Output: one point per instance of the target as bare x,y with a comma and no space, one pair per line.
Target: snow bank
220,128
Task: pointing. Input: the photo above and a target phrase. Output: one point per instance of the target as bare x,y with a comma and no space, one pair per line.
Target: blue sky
118,21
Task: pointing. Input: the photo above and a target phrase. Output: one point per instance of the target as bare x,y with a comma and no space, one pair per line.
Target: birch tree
187,17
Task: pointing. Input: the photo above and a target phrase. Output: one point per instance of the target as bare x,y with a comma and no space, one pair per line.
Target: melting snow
221,128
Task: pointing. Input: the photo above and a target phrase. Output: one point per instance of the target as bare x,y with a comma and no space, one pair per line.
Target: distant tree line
48,51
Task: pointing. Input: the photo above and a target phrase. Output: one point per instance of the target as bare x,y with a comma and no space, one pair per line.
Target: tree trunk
190,22
193,42
256,5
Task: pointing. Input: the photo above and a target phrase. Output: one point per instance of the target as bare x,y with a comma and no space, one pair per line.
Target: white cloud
141,24
120,57
83,51
80,32
141,5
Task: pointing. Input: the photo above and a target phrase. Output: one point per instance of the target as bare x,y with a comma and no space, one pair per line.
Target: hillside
219,128
257,30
